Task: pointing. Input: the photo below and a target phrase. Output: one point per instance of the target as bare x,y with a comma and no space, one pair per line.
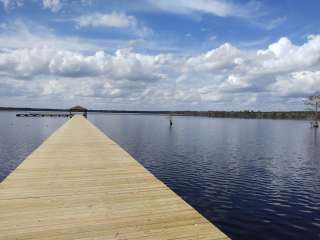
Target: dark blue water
255,179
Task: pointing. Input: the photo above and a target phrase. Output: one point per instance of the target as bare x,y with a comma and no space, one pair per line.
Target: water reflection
315,136
255,179
20,136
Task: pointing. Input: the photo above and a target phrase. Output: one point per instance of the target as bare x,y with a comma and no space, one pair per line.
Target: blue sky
146,54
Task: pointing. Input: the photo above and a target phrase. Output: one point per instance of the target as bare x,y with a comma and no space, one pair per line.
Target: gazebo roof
78,109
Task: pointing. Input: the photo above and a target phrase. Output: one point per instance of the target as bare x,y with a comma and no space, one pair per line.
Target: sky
159,54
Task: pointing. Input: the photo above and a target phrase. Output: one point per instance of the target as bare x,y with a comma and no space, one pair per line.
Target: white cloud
34,36
274,23
87,2
53,5
123,65
117,20
114,19
220,8
220,58
9,4
284,56
297,84
224,76
53,87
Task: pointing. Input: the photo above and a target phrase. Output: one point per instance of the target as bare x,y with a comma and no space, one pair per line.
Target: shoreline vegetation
302,115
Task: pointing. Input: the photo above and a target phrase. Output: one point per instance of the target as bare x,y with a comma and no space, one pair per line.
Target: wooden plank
79,184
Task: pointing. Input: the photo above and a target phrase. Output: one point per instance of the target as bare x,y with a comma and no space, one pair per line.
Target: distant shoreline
303,115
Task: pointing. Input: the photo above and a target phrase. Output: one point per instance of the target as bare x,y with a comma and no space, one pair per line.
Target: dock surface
79,184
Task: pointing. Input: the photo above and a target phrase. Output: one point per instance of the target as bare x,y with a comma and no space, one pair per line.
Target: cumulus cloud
114,19
225,56
53,87
224,76
284,56
295,84
123,65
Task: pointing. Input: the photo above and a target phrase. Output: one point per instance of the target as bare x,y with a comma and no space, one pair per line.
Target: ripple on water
254,179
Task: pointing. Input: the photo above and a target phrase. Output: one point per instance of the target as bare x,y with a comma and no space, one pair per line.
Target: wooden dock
79,184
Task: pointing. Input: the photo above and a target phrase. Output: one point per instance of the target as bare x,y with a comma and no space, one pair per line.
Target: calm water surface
255,179
19,136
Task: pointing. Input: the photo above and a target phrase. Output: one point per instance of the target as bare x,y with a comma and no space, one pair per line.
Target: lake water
254,179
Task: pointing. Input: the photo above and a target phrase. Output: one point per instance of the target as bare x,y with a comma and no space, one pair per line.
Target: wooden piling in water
79,184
